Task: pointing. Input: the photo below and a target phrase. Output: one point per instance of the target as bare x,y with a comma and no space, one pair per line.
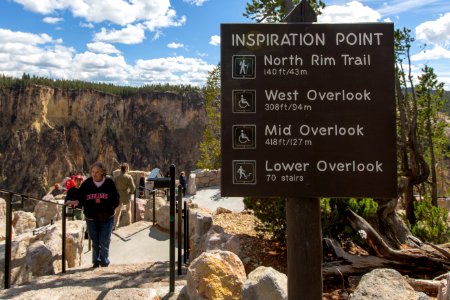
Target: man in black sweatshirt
99,198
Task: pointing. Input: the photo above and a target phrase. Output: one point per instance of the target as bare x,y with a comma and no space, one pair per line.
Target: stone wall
205,177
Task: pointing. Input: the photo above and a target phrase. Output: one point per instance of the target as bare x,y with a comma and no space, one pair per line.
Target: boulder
44,255
23,222
217,239
2,209
384,284
444,289
191,188
200,221
46,212
265,283
221,210
215,275
148,212
162,218
74,242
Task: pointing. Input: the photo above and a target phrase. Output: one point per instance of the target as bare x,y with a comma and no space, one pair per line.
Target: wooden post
304,230
304,257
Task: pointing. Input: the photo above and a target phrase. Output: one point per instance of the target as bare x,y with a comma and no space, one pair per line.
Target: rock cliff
47,133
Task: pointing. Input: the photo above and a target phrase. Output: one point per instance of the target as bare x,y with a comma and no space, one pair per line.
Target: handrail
8,241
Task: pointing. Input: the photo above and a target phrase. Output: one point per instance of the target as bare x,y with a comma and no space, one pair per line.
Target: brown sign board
308,110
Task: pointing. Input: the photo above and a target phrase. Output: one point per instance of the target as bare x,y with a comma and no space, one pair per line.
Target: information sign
308,110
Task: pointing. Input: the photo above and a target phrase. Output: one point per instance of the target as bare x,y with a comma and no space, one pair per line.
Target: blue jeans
100,234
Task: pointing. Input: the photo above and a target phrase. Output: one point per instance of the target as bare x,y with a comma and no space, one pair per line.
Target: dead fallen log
356,265
435,262
413,262
430,287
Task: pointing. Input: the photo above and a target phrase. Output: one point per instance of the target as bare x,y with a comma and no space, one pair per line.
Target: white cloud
215,40
168,19
195,2
51,20
87,25
401,6
8,36
175,45
120,12
435,32
131,34
179,70
41,55
100,47
351,12
437,52
43,6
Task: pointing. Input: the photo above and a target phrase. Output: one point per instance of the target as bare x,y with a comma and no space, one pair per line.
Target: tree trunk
432,155
392,227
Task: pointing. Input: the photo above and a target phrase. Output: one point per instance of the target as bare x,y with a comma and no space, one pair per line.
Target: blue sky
139,42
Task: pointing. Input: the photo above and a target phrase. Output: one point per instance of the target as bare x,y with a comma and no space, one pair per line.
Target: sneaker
96,265
104,265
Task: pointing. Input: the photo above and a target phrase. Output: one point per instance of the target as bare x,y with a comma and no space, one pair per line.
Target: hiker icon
243,67
242,172
243,103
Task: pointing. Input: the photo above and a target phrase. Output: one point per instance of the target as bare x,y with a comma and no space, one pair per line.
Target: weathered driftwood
407,262
429,287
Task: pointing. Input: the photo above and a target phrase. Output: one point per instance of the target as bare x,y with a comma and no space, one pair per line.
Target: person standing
183,182
99,198
125,186
57,190
72,194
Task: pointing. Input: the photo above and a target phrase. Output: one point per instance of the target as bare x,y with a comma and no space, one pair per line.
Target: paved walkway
137,243
142,242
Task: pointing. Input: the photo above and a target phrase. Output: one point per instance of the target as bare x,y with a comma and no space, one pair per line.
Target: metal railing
182,211
8,238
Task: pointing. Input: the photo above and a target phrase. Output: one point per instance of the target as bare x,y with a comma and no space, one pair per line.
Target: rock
44,256
148,213
384,284
23,222
200,221
191,188
131,293
46,212
162,218
265,283
74,242
217,239
444,289
221,210
215,275
2,209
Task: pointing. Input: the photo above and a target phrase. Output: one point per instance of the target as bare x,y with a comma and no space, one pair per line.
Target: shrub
272,214
431,223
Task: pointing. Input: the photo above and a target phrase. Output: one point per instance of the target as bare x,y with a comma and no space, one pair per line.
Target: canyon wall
47,133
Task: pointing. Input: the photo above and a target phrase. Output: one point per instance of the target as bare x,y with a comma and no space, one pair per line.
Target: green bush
272,214
431,223
334,211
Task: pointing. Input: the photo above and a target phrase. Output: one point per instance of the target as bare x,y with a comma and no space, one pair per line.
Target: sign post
308,111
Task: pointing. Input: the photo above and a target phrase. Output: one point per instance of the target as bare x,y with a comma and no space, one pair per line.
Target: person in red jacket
99,198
